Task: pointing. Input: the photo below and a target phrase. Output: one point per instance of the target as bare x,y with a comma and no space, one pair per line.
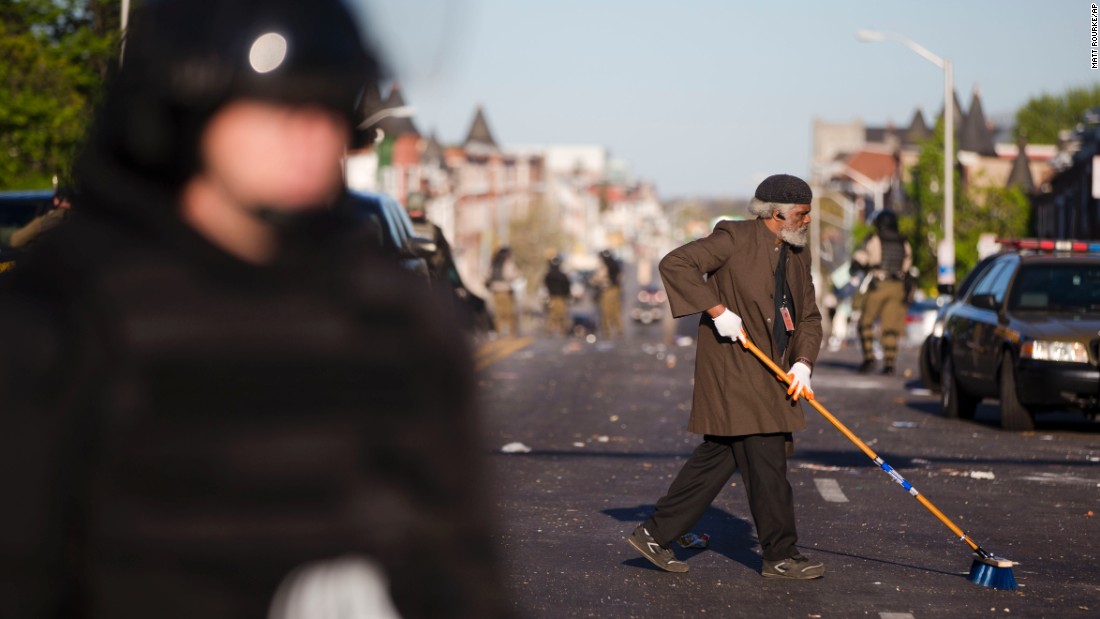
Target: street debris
515,448
692,540
819,467
905,424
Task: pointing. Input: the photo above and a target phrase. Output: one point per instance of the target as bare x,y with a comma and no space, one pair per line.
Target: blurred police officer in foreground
207,389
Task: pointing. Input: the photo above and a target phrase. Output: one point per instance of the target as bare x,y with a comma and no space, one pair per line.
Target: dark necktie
782,297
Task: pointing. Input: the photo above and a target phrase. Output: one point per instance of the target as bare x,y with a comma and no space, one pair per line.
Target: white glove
728,325
800,381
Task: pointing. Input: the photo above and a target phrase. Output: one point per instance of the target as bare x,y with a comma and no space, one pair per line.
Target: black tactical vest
893,255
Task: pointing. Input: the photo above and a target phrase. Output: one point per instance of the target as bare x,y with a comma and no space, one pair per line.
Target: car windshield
1057,288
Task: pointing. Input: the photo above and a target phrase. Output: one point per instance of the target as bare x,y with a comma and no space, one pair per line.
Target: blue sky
706,97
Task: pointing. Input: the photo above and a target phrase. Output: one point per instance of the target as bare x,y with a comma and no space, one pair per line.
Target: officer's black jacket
181,429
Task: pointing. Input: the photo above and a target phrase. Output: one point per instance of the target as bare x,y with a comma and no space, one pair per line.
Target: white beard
797,237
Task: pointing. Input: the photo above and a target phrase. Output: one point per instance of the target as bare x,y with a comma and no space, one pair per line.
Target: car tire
1014,415
928,374
955,402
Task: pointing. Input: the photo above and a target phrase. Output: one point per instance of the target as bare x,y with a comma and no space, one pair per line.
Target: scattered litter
691,540
614,418
905,424
920,461
578,444
907,373
981,474
920,391
603,439
1089,514
515,448
1046,437
818,467
670,361
1094,458
1060,478
685,340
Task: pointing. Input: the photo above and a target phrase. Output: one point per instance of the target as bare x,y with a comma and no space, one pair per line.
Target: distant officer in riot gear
608,282
558,289
885,258
503,274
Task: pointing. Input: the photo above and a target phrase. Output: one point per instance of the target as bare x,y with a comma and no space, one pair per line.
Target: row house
1067,202
472,190
871,164
477,191
867,168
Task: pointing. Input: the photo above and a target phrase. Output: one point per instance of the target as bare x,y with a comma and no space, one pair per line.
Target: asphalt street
584,437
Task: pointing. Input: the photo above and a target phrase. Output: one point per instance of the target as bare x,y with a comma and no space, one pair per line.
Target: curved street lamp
946,253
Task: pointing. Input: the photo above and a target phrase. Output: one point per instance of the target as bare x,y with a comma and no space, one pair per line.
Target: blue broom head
992,573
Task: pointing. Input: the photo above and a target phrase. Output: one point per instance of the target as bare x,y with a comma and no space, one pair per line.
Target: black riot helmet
886,221
183,59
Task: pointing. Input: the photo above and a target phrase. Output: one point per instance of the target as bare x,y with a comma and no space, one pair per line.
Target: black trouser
762,459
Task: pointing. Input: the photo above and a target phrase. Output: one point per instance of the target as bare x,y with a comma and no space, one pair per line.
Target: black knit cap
784,189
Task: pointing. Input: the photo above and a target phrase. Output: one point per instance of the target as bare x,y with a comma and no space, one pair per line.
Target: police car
1026,332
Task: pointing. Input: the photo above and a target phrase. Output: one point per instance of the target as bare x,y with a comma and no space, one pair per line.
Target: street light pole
946,276
946,254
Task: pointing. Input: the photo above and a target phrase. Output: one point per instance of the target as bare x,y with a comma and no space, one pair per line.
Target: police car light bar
1052,245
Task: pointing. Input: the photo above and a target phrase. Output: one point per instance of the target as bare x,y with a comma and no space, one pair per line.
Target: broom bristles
992,573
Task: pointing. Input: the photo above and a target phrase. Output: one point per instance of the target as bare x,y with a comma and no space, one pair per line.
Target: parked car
17,208
920,319
650,305
1026,332
383,214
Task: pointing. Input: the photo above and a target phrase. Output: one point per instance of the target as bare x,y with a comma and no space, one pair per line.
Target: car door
987,335
963,327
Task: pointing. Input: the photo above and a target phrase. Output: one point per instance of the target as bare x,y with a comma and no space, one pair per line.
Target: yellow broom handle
862,446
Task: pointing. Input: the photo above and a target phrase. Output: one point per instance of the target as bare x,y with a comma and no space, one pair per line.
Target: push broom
987,570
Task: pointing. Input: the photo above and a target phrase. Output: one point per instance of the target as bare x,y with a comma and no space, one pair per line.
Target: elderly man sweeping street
747,277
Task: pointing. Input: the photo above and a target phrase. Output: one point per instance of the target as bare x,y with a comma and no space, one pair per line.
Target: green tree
981,209
54,56
534,237
1042,117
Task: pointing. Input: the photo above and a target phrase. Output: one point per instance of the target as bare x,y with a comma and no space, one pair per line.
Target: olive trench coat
735,394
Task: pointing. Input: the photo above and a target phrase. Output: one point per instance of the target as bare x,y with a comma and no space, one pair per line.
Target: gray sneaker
657,554
794,568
